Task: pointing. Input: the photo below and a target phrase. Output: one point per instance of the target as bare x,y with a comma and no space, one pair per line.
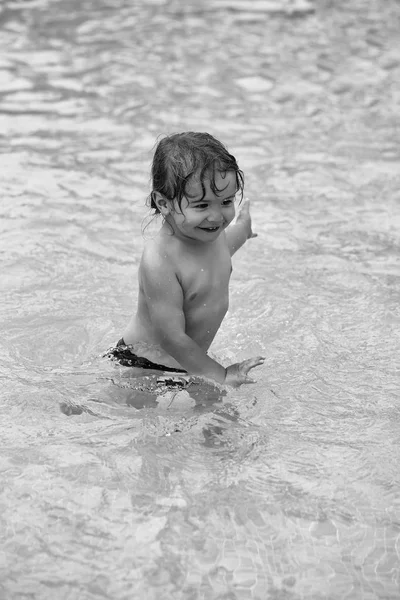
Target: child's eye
228,201
201,206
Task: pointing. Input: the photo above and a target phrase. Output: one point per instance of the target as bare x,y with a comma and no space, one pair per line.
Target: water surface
286,489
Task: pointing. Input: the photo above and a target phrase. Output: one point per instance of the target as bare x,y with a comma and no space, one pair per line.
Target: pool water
113,487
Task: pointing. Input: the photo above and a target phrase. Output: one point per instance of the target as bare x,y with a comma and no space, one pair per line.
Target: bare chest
206,282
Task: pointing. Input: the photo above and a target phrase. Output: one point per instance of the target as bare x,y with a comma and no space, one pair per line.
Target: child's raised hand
244,217
237,374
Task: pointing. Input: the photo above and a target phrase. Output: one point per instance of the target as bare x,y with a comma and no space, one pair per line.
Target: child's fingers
258,360
251,363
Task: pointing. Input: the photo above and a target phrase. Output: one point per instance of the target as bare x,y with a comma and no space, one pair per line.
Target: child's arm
165,303
241,230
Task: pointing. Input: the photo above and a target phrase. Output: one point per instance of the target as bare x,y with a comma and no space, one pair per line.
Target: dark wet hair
180,156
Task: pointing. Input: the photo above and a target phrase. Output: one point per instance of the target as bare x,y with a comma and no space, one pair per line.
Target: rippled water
287,489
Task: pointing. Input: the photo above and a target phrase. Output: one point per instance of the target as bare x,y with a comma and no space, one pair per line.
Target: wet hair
181,156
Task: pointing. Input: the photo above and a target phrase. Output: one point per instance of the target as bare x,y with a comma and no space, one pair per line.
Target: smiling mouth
210,229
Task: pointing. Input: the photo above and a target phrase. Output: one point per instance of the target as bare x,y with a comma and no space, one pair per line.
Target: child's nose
215,215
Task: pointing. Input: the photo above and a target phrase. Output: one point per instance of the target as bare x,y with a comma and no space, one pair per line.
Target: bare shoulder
158,277
224,239
157,258
226,242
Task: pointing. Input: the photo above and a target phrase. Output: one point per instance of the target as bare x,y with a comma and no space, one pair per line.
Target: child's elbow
171,340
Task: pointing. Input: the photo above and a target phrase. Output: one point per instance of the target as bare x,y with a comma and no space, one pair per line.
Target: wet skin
184,279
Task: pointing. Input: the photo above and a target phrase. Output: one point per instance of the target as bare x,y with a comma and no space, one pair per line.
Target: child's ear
162,203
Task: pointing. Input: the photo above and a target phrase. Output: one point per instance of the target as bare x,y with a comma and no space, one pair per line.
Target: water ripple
289,487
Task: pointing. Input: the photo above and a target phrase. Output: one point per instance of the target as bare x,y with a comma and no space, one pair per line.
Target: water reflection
286,488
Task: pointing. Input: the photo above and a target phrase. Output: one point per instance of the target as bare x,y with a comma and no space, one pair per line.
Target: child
184,272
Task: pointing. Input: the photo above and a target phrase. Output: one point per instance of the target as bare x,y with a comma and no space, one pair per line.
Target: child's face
203,219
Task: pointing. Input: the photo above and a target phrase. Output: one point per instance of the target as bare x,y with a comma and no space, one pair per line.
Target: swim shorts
123,354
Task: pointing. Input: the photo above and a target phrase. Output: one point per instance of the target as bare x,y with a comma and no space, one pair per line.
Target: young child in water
185,270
